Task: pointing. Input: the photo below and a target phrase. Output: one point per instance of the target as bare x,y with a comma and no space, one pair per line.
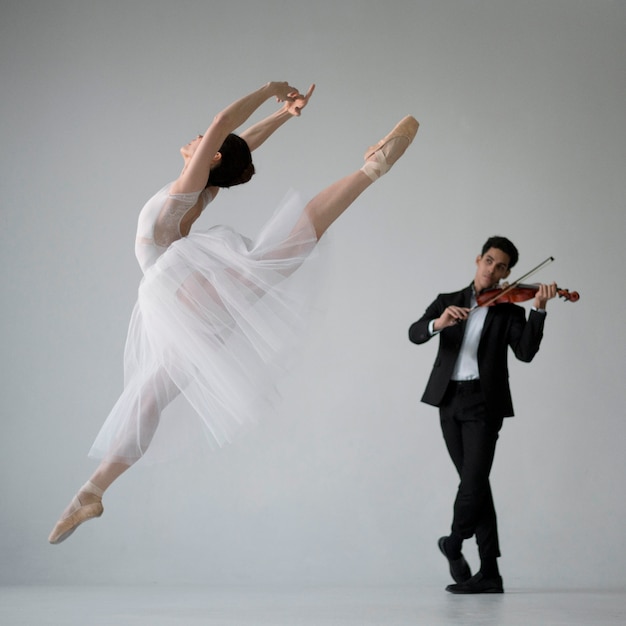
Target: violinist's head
504,244
494,263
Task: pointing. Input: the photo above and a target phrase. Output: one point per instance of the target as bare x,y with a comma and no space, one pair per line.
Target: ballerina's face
188,149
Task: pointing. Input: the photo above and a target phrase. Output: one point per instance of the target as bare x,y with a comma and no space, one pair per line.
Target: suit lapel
467,303
491,311
488,318
467,296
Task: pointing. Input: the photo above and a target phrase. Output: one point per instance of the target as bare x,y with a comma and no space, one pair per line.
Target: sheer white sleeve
167,224
158,225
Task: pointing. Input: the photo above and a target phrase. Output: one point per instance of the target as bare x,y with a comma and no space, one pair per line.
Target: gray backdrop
523,134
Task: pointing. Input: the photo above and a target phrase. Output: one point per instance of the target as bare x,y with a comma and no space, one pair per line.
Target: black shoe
459,569
478,584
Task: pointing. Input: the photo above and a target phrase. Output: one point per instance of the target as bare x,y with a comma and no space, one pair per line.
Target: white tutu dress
215,315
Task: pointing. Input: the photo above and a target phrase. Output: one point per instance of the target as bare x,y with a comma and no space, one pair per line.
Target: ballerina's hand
298,101
283,91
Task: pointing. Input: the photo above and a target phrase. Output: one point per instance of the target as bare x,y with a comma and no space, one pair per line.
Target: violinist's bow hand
451,316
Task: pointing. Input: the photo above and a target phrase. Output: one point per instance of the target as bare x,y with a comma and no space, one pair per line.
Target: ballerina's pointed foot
381,156
84,506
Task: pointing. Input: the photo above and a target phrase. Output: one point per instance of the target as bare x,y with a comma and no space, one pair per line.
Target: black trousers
471,435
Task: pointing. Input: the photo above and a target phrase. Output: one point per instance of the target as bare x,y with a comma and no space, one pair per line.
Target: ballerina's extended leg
381,156
330,203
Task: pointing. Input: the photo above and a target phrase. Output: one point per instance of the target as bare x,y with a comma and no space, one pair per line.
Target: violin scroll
566,294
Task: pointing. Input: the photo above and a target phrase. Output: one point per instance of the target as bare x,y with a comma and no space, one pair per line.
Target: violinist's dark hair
235,166
504,244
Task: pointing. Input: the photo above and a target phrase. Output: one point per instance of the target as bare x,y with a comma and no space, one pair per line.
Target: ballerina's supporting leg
158,391
87,503
330,203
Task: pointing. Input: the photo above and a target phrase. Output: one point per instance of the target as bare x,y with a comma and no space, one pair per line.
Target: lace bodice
162,214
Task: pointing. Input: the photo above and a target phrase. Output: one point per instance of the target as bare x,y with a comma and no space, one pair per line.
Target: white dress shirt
466,366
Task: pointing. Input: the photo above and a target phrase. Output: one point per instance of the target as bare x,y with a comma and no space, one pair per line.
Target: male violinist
469,383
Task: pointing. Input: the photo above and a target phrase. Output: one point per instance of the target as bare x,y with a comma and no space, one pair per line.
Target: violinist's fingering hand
544,293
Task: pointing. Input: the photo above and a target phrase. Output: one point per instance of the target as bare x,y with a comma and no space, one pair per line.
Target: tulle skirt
214,322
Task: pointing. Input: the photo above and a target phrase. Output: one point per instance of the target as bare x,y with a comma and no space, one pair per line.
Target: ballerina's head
231,166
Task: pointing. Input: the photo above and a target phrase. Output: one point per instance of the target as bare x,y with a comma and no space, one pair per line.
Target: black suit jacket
505,325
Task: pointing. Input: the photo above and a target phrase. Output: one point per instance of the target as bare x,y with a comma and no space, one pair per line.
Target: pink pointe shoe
380,157
77,513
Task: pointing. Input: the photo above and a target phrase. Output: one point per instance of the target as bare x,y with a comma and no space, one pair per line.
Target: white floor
398,606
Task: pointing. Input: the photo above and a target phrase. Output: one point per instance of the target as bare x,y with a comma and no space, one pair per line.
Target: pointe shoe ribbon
382,155
78,513
406,127
67,525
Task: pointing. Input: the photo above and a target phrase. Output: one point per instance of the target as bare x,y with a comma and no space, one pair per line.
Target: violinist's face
491,268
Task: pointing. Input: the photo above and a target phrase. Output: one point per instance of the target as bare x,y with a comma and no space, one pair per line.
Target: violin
518,292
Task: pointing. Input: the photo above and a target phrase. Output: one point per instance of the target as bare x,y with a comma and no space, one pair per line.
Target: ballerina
215,310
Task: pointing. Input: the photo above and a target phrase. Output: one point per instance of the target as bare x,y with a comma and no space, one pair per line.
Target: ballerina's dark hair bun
235,167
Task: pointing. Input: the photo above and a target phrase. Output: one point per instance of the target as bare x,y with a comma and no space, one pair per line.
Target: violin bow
516,283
